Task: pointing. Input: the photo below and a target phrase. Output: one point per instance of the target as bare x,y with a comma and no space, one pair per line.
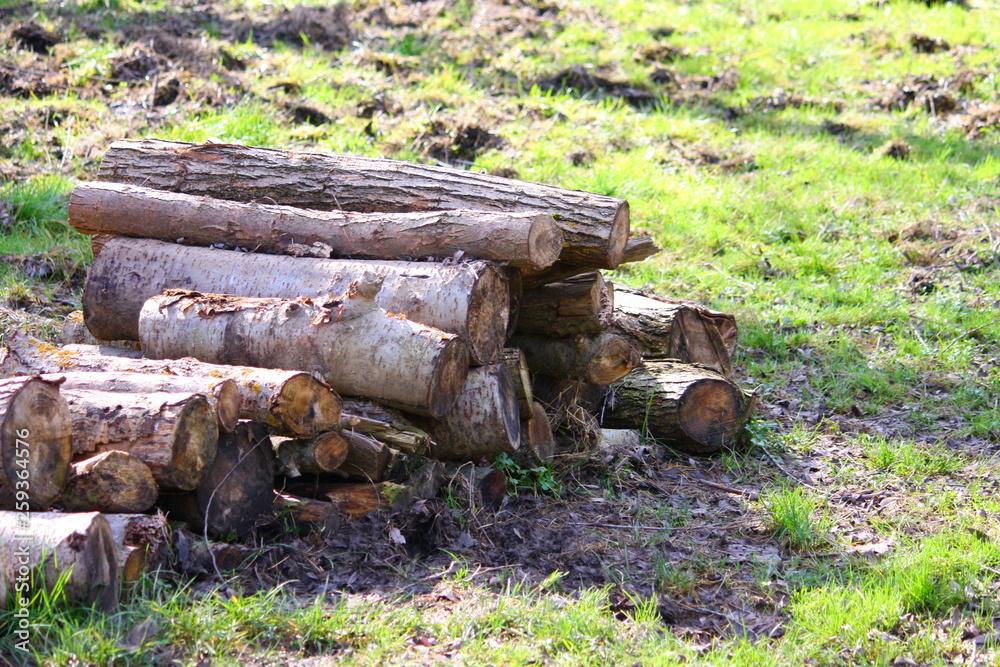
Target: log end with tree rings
112,481
227,399
449,377
488,315
36,435
307,406
613,359
711,413
195,443
545,241
618,238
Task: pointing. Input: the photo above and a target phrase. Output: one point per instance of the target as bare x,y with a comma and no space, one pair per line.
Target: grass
865,288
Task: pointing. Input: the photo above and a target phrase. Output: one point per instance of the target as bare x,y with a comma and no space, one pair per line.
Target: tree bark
689,408
582,304
237,488
370,460
323,453
475,487
36,432
322,513
663,329
538,445
223,394
174,434
113,481
358,348
471,299
484,421
598,359
386,425
142,541
53,542
290,402
514,359
530,240
595,227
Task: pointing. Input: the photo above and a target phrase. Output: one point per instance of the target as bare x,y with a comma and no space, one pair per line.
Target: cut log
36,432
46,544
640,248
475,487
112,481
598,359
595,227
386,425
636,250
223,394
582,304
323,453
290,402
354,500
689,408
75,332
370,460
322,513
538,445
514,359
142,541
174,434
484,421
663,329
237,488
470,299
358,348
530,239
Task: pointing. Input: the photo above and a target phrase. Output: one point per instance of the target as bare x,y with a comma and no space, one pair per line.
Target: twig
888,416
650,528
752,495
970,331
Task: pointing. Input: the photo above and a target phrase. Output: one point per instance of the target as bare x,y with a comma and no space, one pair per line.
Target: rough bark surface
663,329
290,402
471,299
56,542
386,425
321,454
356,346
686,407
237,488
321,513
484,421
530,240
582,304
223,394
112,481
174,434
36,431
514,359
598,359
595,227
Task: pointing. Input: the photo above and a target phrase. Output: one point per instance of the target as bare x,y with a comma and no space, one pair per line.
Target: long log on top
597,359
174,434
357,347
595,227
685,407
54,543
290,402
470,299
237,488
582,304
530,240
223,394
661,328
36,431
113,481
485,420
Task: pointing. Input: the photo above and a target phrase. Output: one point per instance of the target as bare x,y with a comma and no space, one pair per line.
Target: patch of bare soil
577,80
455,144
33,36
781,99
938,96
925,44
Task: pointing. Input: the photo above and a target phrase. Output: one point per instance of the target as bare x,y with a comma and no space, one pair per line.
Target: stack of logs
372,332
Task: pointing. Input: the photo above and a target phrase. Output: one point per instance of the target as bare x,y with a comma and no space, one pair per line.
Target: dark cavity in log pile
475,487
112,482
36,433
387,425
514,359
174,434
595,227
237,488
689,408
356,346
595,358
530,240
142,541
471,299
290,402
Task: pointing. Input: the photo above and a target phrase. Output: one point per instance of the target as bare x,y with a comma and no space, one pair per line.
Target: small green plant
539,479
791,516
908,458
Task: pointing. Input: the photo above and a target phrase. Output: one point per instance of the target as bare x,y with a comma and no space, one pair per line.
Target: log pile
334,335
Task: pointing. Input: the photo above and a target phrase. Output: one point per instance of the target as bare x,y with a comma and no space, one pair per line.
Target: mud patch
579,82
36,38
936,96
24,83
897,149
135,67
305,113
985,120
660,53
925,44
781,99
328,28
461,144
